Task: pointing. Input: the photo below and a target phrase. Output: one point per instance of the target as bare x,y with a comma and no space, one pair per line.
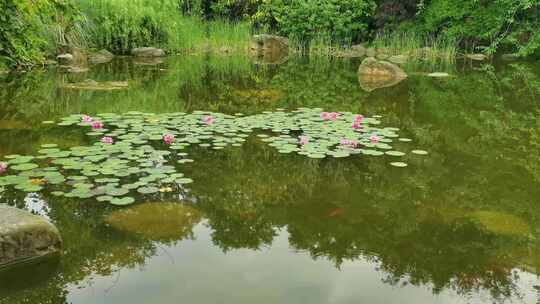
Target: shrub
30,29
305,19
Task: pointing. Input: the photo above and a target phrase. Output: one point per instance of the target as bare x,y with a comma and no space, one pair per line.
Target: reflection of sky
198,272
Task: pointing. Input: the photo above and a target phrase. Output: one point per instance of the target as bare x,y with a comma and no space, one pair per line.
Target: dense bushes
487,25
26,29
307,19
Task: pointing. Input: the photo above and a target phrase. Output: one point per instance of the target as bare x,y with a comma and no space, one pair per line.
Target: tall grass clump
223,33
121,25
416,46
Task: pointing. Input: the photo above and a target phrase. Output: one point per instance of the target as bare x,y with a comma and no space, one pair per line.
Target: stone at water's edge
270,49
147,52
477,57
64,59
25,237
102,56
374,74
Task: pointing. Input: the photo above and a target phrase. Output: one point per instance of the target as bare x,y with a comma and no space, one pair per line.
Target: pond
458,225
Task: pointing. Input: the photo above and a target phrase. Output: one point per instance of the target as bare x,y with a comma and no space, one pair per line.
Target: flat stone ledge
25,237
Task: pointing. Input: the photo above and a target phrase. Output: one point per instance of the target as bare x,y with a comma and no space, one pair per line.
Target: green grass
120,25
416,46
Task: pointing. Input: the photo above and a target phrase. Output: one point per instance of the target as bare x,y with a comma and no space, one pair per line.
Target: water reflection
459,226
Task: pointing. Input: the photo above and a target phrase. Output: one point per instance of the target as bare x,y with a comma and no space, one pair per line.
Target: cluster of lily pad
138,153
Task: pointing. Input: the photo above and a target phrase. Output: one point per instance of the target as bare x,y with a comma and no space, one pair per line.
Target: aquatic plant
97,125
303,140
208,120
168,139
137,165
107,140
3,167
86,119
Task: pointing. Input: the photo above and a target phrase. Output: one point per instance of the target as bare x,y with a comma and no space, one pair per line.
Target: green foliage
304,20
122,25
485,25
25,29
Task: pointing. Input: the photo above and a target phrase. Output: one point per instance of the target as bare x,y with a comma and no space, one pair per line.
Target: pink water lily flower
208,120
325,115
303,140
168,138
107,140
3,167
348,143
358,118
86,119
355,125
97,125
333,116
374,139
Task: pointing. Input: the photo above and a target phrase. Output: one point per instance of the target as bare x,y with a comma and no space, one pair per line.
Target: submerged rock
25,237
102,56
156,221
374,74
147,52
90,84
501,223
476,57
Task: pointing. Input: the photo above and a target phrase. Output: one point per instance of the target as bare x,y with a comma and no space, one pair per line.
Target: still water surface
461,225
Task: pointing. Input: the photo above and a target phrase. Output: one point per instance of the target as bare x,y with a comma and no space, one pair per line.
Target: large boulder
374,74
271,47
147,52
25,237
102,56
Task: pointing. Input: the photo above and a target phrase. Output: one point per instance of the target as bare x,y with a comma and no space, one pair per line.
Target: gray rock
64,59
102,56
147,52
25,237
374,74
